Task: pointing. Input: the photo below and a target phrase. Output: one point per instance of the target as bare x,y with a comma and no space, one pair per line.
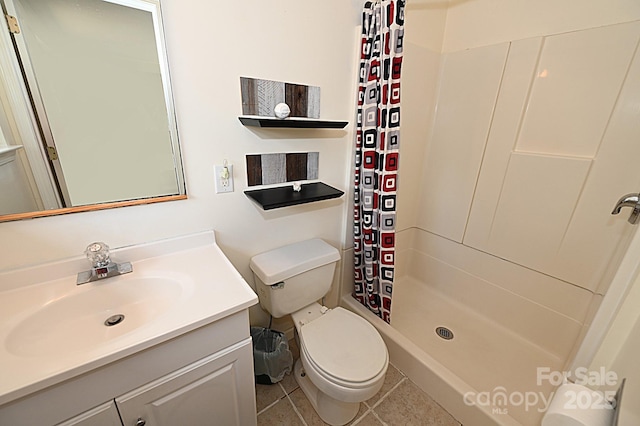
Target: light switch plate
223,185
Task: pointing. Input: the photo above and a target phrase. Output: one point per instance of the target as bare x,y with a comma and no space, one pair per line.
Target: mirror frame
27,125
89,208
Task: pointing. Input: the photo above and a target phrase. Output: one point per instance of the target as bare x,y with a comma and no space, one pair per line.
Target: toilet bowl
343,359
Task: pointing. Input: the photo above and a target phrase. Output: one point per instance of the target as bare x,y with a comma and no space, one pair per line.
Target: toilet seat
344,349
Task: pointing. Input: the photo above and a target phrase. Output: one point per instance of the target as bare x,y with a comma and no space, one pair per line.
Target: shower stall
515,148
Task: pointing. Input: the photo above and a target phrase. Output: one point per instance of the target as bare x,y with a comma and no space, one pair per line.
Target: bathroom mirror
97,98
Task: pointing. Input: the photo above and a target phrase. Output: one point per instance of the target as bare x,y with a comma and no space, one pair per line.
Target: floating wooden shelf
291,122
283,196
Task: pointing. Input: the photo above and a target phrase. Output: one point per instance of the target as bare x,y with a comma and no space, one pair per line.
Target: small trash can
272,358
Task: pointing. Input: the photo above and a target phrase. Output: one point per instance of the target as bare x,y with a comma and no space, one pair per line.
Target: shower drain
445,333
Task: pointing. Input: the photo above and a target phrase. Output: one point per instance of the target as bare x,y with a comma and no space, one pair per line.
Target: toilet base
331,411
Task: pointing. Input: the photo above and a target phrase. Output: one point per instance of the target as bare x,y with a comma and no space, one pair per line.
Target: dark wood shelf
284,196
291,123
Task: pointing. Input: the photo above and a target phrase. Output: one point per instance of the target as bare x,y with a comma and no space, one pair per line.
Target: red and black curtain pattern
377,143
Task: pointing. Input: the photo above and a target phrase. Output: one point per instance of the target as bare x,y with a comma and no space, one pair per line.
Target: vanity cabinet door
103,415
217,390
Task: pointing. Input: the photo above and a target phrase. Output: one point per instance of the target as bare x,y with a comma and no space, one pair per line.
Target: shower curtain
376,164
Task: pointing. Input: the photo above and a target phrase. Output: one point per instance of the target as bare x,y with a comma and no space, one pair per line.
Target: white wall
210,45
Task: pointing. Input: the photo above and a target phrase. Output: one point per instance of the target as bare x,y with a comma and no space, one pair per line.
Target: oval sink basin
76,321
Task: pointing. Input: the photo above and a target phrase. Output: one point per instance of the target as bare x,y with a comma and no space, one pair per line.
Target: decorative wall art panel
267,169
259,97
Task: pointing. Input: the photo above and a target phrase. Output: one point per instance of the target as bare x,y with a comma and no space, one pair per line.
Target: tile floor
399,402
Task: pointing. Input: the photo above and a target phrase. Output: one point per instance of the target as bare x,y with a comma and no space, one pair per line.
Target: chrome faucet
101,266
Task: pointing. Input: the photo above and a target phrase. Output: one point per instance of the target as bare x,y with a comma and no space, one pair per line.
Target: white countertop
212,290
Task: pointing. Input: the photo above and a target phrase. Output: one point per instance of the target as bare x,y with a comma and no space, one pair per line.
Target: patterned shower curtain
377,142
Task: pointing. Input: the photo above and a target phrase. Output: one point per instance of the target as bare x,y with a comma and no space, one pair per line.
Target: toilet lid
344,345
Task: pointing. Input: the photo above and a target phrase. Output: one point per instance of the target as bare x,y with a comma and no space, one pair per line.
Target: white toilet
343,359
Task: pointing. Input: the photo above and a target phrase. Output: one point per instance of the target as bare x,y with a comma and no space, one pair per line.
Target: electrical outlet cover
223,185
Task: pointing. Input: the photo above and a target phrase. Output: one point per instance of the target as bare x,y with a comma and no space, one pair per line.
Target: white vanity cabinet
204,393
203,377
103,415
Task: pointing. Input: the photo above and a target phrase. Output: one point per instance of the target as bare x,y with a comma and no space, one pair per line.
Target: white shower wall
532,144
471,113
474,23
424,34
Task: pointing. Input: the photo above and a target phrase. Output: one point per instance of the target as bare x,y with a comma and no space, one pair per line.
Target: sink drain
444,332
114,320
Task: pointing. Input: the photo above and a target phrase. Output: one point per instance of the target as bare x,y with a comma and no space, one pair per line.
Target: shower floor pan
484,375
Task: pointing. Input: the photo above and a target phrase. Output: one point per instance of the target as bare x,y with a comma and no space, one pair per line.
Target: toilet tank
291,277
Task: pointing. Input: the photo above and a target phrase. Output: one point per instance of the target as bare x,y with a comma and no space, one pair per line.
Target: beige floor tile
281,414
310,415
267,395
392,378
408,405
369,420
361,413
295,351
289,383
305,408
